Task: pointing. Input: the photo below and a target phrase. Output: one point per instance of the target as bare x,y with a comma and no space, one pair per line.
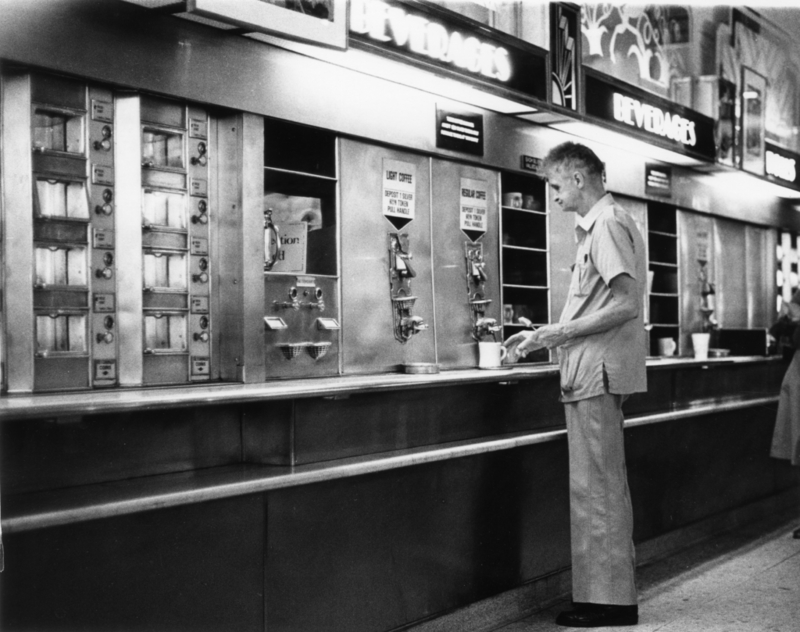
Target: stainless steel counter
39,405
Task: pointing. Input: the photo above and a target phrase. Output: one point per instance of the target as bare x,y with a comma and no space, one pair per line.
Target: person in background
786,436
601,347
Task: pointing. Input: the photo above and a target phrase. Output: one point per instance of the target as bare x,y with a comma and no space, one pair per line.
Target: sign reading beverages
473,208
399,189
782,164
430,34
650,116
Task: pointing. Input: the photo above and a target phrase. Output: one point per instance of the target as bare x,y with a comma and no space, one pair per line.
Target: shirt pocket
581,273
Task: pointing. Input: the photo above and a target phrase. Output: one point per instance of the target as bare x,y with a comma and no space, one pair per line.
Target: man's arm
624,306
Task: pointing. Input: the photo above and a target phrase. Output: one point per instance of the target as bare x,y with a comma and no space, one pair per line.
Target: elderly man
601,347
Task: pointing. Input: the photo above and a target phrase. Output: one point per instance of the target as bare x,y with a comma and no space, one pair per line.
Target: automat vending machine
60,241
301,266
386,253
465,261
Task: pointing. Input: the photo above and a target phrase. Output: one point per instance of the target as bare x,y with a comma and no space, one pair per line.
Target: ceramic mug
514,200
700,345
491,354
666,346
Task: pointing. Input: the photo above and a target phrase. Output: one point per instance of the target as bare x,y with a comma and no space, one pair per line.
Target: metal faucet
485,326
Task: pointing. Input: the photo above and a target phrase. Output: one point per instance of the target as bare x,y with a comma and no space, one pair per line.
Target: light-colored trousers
603,557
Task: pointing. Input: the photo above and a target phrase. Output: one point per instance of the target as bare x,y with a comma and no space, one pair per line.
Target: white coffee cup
700,345
513,199
491,354
666,346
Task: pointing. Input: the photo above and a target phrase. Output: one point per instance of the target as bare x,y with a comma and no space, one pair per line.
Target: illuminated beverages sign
654,120
781,164
430,34
650,116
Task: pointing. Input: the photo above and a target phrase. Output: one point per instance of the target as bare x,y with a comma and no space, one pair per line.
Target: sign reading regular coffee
651,116
459,131
427,33
782,164
473,208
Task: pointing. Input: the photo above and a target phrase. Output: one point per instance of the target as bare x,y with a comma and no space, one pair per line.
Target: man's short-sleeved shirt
609,244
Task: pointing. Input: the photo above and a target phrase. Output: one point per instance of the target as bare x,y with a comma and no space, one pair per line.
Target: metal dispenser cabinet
386,246
176,256
65,322
465,261
301,311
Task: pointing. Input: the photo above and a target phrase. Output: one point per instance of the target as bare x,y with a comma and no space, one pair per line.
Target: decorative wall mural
633,42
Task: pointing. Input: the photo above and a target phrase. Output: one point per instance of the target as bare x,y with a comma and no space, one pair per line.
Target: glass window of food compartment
299,199
165,270
56,131
165,332
165,209
299,148
61,265
162,149
62,333
55,198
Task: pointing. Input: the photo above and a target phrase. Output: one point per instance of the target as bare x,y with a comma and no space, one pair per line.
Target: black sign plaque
459,131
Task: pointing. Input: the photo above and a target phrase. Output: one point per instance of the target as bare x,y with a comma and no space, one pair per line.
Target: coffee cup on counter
700,345
491,355
514,199
666,346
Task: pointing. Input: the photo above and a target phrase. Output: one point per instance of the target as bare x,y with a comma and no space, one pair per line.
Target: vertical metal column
18,230
240,217
127,158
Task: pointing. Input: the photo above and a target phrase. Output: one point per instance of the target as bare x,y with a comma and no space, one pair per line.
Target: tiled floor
747,580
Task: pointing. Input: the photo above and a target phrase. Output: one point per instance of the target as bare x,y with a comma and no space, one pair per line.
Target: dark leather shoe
590,615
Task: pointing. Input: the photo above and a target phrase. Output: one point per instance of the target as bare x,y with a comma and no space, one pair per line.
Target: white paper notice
292,249
399,187
473,205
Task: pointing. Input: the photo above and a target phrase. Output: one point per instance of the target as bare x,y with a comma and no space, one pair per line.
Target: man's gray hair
571,155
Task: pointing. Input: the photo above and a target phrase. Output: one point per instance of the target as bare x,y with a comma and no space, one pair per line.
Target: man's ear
577,176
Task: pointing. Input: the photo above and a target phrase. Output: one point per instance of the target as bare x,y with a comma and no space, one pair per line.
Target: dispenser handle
271,241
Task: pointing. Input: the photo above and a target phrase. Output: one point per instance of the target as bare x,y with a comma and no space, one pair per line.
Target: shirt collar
587,221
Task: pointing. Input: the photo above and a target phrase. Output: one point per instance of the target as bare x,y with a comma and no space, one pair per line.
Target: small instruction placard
473,207
399,190
459,131
658,180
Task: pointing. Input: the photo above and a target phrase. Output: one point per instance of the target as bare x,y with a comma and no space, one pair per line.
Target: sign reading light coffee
651,115
426,33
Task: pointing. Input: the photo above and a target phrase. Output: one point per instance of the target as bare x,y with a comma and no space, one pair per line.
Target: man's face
564,187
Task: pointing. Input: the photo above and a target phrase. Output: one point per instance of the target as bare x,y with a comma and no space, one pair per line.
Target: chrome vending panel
176,256
465,261
300,263
387,288
60,254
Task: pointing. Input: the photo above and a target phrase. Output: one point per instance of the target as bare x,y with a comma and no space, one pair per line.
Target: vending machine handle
271,241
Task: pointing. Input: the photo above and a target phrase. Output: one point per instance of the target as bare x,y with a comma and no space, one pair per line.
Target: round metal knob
201,336
105,273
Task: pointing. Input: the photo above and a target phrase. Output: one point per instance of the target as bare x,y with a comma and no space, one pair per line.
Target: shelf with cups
525,256
663,295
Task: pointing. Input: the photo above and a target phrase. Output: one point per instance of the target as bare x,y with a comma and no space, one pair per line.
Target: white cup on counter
666,346
513,199
700,345
491,355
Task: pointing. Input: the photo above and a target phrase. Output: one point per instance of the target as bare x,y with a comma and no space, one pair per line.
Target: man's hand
521,344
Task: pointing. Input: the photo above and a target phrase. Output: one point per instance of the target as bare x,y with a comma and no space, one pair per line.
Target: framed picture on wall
753,95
